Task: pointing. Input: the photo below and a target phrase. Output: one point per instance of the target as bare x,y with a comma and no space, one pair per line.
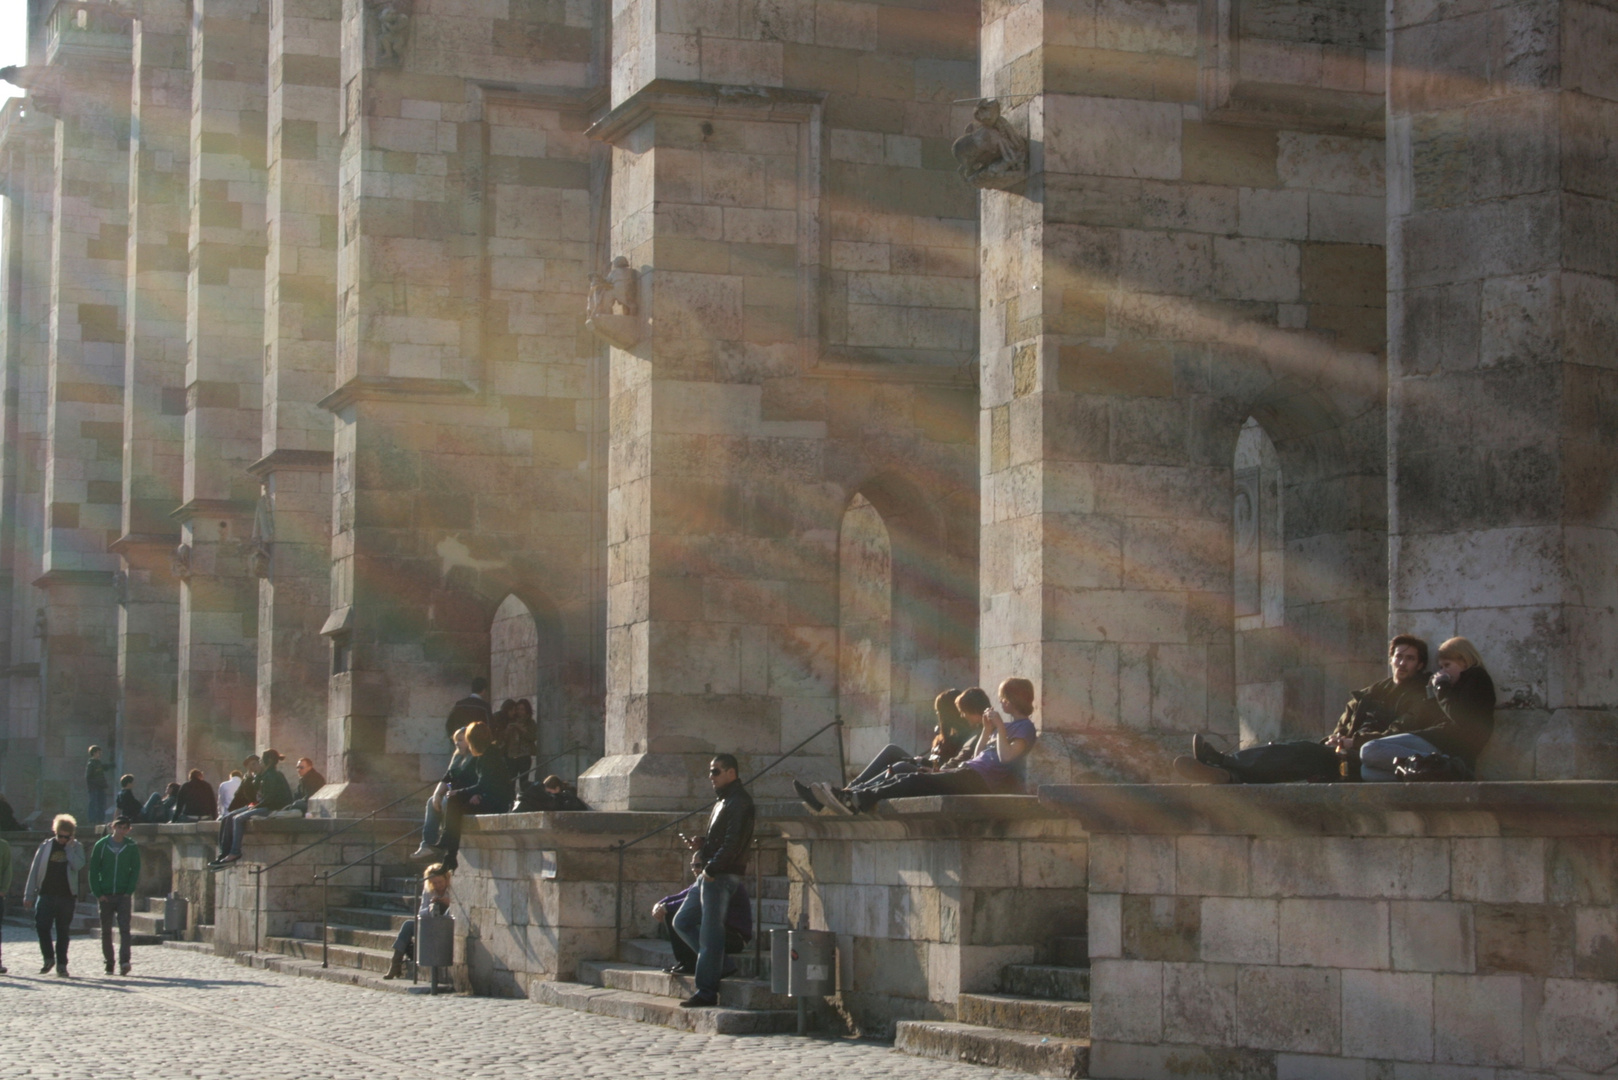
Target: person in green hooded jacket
114,876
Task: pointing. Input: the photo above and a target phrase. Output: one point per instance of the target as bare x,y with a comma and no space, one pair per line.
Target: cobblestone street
181,1014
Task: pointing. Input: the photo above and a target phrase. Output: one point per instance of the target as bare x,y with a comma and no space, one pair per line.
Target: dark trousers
456,809
1282,763
405,943
950,782
2,922
891,755
115,908
54,911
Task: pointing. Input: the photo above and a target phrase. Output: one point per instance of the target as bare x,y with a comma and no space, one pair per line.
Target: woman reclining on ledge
1000,766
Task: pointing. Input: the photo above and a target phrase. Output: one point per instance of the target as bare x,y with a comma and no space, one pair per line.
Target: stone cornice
391,388
667,97
209,508
292,461
953,376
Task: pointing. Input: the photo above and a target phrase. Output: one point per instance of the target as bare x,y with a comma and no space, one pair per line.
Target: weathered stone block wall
1352,930
931,897
537,893
1161,277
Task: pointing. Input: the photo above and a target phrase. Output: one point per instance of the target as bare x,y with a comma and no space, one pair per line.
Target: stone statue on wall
392,23
612,309
263,539
120,587
180,562
991,154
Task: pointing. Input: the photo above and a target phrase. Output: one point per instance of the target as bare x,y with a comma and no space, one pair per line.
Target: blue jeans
98,807
233,825
1376,756
700,922
432,824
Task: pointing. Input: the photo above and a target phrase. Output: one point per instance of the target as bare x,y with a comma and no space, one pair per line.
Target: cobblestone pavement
181,1014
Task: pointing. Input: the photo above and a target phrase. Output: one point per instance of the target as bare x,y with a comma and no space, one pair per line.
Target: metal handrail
574,749
258,871
624,845
325,876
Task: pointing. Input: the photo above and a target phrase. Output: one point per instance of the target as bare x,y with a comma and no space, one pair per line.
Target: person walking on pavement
114,874
719,859
95,780
53,879
5,887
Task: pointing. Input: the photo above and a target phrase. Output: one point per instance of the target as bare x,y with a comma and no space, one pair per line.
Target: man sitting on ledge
1396,704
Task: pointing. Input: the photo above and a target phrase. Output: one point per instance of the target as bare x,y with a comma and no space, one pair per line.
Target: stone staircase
635,987
360,935
1038,1022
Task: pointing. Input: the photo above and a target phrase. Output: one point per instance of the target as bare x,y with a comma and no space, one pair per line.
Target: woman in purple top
999,768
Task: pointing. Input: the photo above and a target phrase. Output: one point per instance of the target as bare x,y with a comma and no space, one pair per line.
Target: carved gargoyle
991,154
612,309
262,542
391,19
180,562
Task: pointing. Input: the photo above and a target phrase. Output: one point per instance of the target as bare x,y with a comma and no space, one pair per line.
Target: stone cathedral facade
709,370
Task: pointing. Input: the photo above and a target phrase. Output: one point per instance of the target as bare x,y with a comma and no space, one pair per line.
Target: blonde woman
434,901
53,881
1461,724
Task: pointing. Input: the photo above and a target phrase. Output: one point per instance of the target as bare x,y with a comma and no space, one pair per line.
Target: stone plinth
1351,930
290,893
537,893
931,897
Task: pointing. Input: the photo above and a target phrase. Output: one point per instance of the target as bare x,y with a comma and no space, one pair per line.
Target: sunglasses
715,772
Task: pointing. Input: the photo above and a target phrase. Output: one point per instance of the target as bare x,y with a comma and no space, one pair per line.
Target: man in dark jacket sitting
274,793
1397,703
197,799
719,859
484,788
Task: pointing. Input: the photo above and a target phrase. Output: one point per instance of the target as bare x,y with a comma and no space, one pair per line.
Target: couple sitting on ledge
1412,726
993,761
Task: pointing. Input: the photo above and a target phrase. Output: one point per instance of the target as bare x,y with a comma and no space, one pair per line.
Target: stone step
1046,981
735,991
657,953
1044,1016
371,918
349,976
146,922
384,899
346,935
654,1009
1073,952
339,956
1024,1051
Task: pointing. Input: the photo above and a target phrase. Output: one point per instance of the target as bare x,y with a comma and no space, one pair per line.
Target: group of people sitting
976,750
493,752
1416,724
259,789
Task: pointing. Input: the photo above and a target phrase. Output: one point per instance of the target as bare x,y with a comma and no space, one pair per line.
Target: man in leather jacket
1397,703
719,859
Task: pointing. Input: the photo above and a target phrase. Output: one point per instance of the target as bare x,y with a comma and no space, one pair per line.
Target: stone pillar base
668,781
354,798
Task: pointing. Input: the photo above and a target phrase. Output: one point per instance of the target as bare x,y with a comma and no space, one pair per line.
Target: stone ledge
1538,808
937,815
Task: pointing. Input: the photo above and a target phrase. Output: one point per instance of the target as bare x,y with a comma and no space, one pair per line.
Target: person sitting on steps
459,773
486,791
274,793
1397,703
999,767
738,930
955,728
434,901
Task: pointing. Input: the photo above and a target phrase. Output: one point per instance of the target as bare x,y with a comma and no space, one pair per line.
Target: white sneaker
828,795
